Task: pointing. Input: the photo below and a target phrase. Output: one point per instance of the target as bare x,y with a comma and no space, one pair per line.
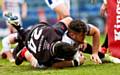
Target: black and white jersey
69,40
39,42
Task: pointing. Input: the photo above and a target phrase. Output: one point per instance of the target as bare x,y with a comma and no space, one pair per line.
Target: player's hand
96,59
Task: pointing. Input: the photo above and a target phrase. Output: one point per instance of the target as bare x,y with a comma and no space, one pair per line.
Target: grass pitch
89,68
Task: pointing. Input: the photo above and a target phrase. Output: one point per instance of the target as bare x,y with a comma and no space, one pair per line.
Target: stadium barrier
114,27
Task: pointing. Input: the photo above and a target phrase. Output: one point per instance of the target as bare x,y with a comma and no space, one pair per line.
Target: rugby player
45,48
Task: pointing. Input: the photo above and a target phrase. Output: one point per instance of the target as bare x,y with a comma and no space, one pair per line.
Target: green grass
89,68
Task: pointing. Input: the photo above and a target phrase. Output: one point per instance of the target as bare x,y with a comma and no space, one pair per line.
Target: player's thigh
67,3
53,3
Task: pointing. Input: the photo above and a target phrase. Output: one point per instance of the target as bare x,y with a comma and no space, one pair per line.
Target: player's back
39,42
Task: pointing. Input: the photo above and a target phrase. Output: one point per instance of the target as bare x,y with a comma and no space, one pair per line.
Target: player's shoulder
67,39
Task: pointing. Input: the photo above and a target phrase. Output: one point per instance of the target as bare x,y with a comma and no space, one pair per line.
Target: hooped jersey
40,40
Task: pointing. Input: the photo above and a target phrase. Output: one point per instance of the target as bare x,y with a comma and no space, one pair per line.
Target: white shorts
53,3
6,43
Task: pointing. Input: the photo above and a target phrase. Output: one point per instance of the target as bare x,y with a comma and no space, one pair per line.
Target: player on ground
45,48
6,46
14,38
79,36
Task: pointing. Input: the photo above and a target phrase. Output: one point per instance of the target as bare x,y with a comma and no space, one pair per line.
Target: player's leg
33,61
61,7
20,56
25,54
6,43
105,45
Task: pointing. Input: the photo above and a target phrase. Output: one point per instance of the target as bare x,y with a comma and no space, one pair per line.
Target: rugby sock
105,44
103,50
23,52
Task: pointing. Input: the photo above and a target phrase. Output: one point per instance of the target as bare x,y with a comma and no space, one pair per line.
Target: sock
23,52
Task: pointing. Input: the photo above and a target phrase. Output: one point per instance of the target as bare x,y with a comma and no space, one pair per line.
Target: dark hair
78,26
64,50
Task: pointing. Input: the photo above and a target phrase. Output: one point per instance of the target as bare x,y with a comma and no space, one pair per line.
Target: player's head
77,30
64,50
78,26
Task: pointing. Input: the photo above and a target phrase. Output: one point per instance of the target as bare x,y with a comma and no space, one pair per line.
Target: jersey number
36,35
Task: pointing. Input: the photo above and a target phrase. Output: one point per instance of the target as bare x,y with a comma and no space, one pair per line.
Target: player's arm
63,64
67,63
66,21
95,33
78,59
62,25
